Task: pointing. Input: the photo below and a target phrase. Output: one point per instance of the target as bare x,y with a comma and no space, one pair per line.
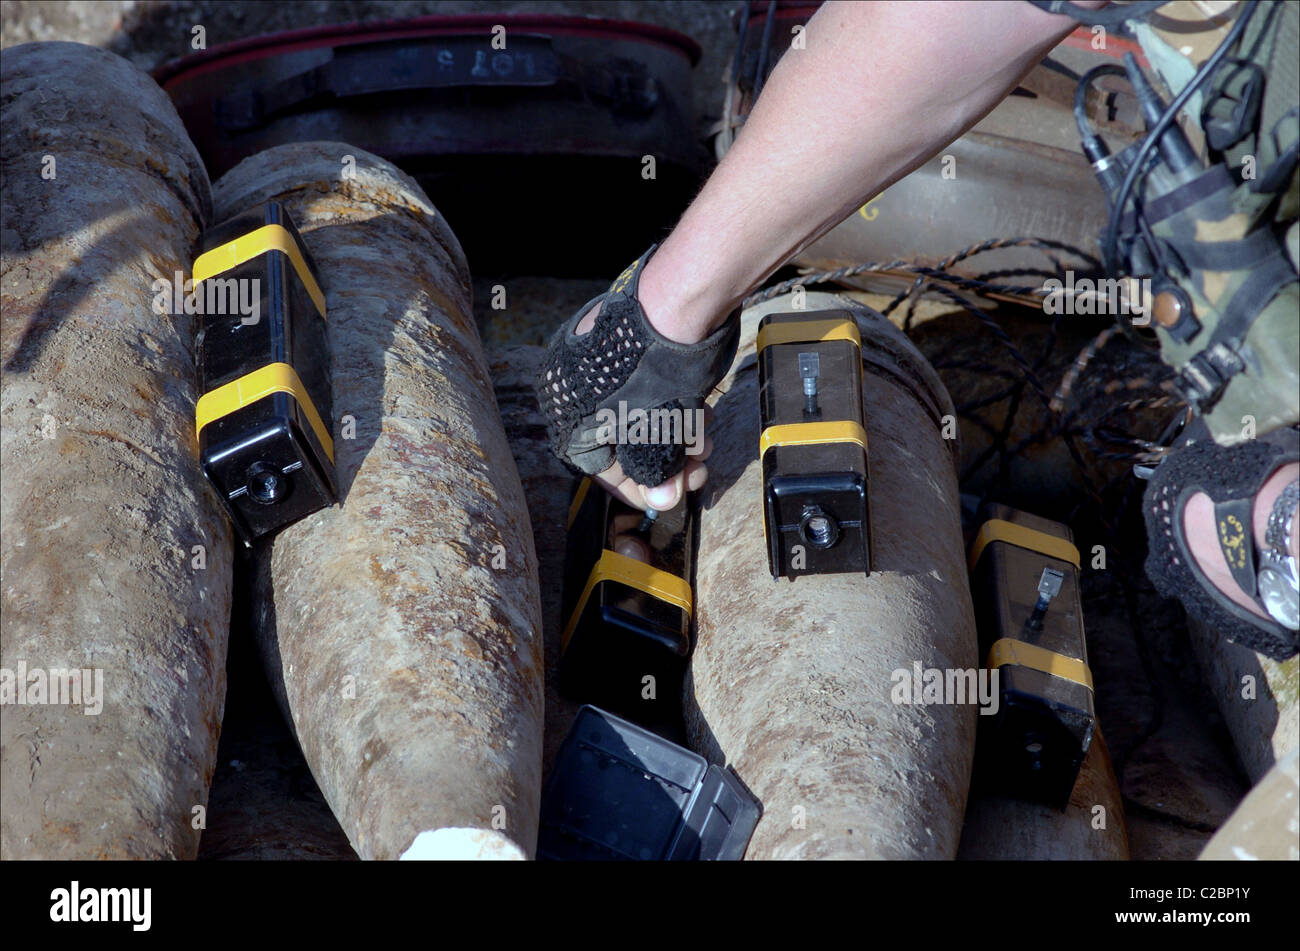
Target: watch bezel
1280,597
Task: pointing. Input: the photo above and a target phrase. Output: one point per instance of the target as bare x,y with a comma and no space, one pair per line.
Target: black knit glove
624,359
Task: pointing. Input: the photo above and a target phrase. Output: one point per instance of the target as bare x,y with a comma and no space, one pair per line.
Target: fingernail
663,496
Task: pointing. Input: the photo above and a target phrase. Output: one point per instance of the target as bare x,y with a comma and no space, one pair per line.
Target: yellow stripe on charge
635,574
808,331
1000,530
578,498
251,387
807,434
1011,651
246,247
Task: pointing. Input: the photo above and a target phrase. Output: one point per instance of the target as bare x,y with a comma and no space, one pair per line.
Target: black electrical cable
1056,67
1081,96
1108,247
1096,151
1110,16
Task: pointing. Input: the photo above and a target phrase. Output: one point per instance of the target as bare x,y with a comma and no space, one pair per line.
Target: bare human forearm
879,88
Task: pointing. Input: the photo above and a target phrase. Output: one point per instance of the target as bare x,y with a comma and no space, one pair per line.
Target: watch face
1280,597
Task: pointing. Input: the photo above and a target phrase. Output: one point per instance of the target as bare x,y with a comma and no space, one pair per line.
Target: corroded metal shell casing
547,484
792,682
1266,825
1000,827
402,627
114,554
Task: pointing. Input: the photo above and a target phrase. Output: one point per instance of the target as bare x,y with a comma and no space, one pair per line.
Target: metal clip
1049,586
810,368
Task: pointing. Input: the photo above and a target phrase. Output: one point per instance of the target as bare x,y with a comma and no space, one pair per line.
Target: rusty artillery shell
1267,823
791,681
114,555
547,486
402,627
999,827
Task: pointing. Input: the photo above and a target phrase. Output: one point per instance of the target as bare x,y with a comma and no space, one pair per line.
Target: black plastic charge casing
1034,746
814,457
619,792
626,619
264,415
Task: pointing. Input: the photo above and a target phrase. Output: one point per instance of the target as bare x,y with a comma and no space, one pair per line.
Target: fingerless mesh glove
623,359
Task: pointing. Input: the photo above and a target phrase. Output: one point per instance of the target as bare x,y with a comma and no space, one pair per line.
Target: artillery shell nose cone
401,627
463,845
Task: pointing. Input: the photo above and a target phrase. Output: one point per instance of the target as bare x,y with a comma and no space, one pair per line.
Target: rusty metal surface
411,667
263,803
1267,823
790,682
1256,695
998,827
998,187
1173,756
547,486
103,503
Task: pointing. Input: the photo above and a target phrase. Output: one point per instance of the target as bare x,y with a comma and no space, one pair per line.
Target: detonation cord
931,278
936,274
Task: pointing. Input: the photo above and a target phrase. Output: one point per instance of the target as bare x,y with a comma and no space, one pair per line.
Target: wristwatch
1279,582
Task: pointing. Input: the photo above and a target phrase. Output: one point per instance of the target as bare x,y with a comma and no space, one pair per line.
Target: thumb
666,495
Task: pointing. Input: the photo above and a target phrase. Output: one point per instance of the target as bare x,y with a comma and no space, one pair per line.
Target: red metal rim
347,34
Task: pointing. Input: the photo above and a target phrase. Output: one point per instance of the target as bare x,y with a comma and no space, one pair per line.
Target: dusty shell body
1267,823
1258,697
547,485
402,627
791,681
263,804
998,827
114,554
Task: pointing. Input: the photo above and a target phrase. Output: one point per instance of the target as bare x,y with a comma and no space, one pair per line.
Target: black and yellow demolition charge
813,444
627,606
262,420
1025,584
